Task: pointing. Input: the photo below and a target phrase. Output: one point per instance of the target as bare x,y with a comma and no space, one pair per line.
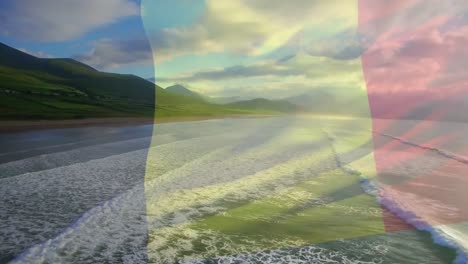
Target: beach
274,190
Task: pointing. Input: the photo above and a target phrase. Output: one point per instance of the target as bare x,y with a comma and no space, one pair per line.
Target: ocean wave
305,254
193,178
192,181
444,234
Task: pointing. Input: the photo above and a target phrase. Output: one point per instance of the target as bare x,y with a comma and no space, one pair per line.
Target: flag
377,150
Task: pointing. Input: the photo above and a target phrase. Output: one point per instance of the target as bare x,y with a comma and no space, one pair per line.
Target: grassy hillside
33,88
181,90
36,88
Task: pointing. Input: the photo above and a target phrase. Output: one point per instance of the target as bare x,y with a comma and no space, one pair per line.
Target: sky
272,49
106,34
261,48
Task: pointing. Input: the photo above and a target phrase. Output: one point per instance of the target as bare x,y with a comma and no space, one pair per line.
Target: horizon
254,58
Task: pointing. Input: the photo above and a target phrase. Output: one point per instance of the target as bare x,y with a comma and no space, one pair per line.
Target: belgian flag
371,167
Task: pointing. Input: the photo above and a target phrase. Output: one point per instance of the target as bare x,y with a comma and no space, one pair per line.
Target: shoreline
15,126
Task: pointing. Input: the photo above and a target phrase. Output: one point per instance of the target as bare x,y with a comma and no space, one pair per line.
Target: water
270,190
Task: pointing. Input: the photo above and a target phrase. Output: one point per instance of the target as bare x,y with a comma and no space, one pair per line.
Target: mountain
315,101
262,104
179,89
228,100
38,88
25,73
34,88
322,102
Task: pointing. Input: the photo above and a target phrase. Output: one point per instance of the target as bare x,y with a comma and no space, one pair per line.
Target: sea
287,189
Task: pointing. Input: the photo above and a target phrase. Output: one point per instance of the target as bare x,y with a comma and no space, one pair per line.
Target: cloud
294,75
416,61
238,71
276,48
346,45
269,87
111,54
420,48
406,45
249,28
57,20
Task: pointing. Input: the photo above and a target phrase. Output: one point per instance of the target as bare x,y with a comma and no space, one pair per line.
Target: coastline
28,125
15,126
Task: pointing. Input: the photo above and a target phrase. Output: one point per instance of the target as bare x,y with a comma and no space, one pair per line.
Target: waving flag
413,72
387,80
327,131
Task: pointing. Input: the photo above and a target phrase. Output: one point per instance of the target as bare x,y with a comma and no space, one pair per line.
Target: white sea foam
187,168
305,255
406,205
100,210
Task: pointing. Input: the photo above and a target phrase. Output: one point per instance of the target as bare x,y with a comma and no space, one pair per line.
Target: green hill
37,88
181,90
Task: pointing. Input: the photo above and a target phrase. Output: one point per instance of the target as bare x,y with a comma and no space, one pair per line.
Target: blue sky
251,48
254,48
220,48
50,28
